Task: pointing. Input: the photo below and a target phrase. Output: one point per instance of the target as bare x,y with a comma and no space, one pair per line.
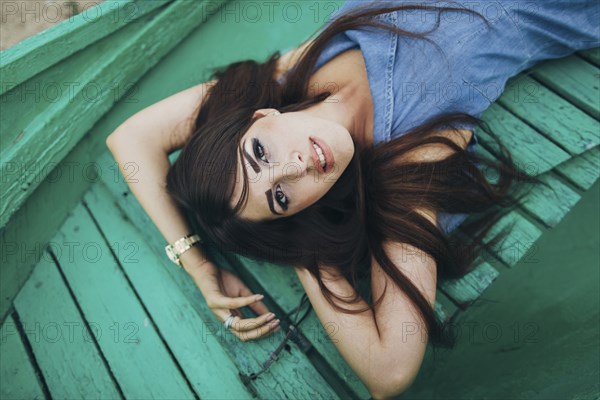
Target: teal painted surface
550,204
591,55
535,335
62,343
194,343
17,373
552,115
41,51
127,336
35,146
582,170
44,171
530,150
581,89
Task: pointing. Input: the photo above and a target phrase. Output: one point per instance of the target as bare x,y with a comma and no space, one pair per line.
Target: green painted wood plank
591,55
130,342
575,80
553,116
488,172
22,242
193,342
550,205
583,170
18,379
61,342
466,290
448,305
518,243
444,306
291,376
530,150
59,128
39,52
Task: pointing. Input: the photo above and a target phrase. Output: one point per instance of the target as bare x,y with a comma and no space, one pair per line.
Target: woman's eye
259,151
281,198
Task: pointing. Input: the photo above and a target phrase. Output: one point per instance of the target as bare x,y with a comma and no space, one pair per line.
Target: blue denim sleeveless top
465,66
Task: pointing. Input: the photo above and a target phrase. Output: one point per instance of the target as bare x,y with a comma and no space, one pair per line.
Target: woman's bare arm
388,360
146,139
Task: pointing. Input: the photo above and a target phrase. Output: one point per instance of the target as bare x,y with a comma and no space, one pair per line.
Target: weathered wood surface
18,378
34,146
530,150
552,115
582,170
591,55
61,182
62,341
39,52
581,89
466,290
194,343
131,343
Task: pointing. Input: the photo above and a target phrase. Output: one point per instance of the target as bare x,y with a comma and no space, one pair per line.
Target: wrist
193,261
176,249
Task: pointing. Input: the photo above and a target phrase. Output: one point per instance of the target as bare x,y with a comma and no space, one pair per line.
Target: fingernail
270,316
260,297
274,322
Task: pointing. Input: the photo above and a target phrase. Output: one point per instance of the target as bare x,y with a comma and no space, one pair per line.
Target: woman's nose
296,167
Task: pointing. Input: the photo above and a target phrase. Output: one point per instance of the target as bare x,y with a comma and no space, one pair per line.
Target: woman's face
285,173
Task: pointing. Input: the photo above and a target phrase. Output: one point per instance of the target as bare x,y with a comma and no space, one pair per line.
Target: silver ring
228,321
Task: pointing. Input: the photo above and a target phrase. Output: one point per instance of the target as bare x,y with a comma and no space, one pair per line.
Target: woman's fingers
257,332
234,302
247,328
259,308
248,324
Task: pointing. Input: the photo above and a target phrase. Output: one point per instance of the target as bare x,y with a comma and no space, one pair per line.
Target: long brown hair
374,199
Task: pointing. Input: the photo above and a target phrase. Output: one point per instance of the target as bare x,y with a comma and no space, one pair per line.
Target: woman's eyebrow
253,163
269,194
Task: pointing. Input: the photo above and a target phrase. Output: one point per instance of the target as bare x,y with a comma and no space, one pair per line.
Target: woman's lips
329,160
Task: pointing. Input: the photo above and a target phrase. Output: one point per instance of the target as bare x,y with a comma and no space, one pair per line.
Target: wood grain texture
582,89
60,339
130,341
550,204
591,55
60,126
195,344
466,290
582,170
552,115
18,378
530,150
37,53
520,241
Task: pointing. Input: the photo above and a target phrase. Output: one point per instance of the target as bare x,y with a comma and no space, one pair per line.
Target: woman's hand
225,293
